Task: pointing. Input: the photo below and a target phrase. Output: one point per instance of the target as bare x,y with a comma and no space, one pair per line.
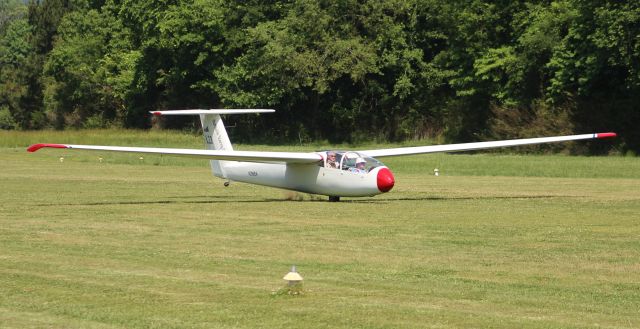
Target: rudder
215,138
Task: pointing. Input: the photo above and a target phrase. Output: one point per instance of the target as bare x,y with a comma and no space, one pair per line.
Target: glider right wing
479,146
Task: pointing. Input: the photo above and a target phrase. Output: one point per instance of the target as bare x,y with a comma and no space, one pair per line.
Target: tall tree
14,48
43,18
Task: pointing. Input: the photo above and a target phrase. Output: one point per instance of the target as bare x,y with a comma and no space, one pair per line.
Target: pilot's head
360,163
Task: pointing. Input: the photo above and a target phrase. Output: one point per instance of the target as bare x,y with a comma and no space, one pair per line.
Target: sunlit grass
165,138
496,241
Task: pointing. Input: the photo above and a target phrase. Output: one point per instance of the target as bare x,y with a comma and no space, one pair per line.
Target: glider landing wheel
334,198
226,184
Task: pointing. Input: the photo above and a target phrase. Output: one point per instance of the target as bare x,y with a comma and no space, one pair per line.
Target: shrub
6,119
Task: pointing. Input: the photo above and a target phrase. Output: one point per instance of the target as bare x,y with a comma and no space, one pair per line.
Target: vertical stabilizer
215,135
215,138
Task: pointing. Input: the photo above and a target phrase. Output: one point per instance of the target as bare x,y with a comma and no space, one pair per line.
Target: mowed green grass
496,241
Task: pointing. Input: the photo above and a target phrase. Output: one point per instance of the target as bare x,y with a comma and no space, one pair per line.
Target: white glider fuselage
312,176
311,179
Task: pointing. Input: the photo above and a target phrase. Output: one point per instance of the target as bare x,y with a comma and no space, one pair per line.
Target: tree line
340,70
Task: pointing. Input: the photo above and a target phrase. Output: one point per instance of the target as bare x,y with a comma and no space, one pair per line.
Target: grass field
497,241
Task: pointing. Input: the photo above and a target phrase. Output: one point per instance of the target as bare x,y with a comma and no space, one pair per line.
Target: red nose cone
385,180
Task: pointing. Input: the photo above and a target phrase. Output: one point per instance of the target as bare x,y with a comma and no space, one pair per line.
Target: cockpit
350,161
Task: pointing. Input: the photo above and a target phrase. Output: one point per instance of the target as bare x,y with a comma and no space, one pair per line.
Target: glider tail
215,138
214,133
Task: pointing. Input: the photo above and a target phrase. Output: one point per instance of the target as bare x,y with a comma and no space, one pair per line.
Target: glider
334,173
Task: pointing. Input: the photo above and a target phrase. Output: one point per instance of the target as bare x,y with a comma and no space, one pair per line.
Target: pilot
331,160
359,168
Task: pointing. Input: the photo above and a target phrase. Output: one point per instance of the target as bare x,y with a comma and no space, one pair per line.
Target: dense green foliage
335,70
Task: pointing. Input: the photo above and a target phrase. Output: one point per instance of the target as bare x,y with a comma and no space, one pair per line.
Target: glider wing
478,146
249,156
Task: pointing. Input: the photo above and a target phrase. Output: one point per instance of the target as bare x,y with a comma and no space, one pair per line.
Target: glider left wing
249,156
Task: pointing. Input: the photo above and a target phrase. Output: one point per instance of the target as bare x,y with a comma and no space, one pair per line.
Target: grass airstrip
495,241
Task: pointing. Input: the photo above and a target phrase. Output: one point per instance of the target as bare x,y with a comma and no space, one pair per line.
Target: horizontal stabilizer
211,111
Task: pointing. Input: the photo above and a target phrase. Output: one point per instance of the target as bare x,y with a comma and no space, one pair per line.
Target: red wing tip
606,135
157,113
36,147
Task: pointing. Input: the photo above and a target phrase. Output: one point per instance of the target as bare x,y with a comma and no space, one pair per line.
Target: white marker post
293,277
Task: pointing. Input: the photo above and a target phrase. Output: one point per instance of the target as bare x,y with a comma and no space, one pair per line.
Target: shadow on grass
110,203
232,199
464,198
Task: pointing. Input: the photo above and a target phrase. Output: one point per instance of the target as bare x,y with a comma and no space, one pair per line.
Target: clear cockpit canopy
348,159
